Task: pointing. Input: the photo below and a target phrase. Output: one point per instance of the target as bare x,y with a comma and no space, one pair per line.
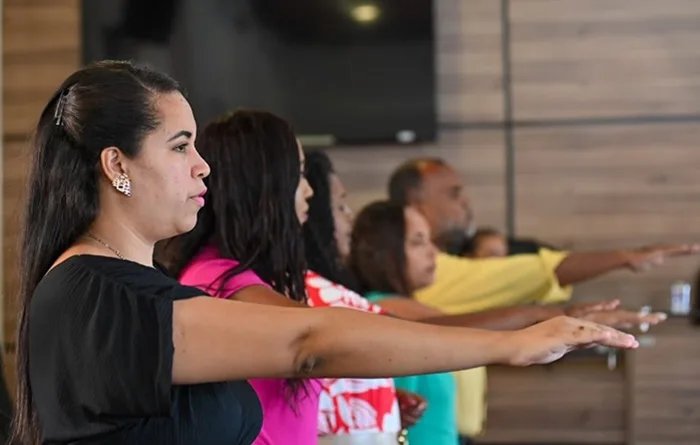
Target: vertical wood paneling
40,48
665,387
601,187
574,401
605,58
469,61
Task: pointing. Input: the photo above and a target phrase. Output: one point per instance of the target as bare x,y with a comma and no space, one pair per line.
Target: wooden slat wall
601,159
469,61
598,187
664,388
575,401
606,110
604,58
40,48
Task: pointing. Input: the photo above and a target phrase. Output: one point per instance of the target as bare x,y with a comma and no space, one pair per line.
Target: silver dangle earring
123,184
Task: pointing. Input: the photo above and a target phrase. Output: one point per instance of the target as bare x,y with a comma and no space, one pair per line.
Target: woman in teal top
438,425
392,255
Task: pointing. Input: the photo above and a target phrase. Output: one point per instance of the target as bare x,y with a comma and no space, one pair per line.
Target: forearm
582,266
372,346
505,319
221,340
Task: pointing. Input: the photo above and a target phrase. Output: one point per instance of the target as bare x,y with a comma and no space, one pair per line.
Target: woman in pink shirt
239,247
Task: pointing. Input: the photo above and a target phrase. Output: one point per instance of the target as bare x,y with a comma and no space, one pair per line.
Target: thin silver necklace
114,251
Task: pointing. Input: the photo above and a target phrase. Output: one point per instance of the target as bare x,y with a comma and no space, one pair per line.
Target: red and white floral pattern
350,406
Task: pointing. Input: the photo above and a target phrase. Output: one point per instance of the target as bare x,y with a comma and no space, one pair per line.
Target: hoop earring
123,184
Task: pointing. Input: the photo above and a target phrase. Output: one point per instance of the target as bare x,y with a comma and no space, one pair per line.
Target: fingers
594,333
607,305
578,310
611,305
594,307
411,401
648,261
625,319
412,408
654,318
408,420
415,412
647,258
629,319
682,249
548,341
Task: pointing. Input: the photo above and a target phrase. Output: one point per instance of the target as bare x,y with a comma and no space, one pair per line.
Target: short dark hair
378,255
407,179
483,232
105,104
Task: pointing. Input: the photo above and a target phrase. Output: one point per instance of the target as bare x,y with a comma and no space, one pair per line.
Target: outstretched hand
550,340
645,258
581,309
623,319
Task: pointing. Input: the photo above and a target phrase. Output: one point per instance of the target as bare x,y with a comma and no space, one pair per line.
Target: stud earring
123,184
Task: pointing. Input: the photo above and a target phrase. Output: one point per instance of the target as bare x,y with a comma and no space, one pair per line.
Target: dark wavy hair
321,248
249,214
105,104
377,248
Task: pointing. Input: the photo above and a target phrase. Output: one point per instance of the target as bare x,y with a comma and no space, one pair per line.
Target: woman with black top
113,351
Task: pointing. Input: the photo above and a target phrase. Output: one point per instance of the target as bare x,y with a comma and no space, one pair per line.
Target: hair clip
60,104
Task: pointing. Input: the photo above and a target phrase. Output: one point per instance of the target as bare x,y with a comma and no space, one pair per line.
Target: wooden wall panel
664,387
605,58
599,187
14,175
477,154
40,48
469,66
574,401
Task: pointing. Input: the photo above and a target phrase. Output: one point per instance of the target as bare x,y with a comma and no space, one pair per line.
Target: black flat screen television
342,72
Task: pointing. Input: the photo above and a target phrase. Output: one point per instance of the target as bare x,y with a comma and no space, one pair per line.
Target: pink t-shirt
281,424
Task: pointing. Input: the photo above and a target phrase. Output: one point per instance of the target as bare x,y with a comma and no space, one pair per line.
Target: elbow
307,356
